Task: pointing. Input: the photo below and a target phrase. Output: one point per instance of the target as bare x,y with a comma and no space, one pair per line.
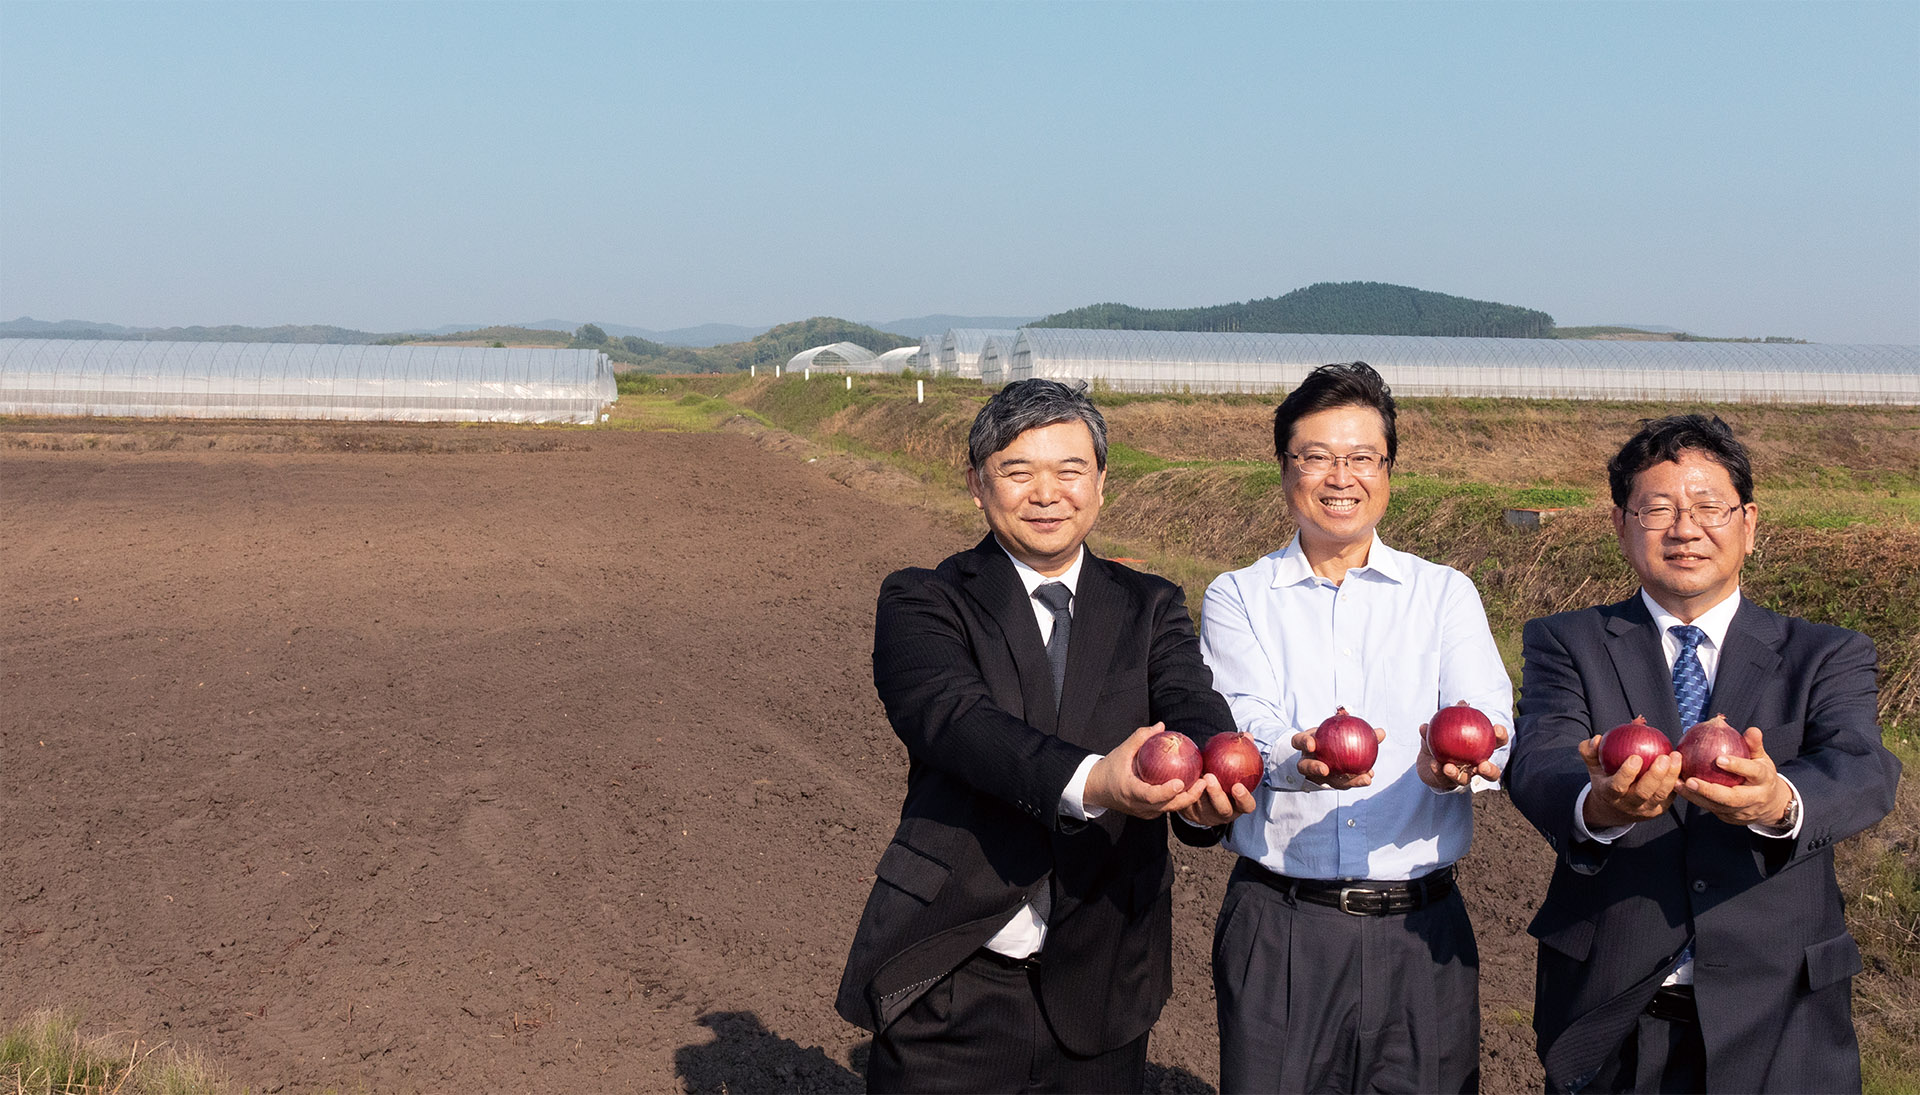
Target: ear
976,489
1619,523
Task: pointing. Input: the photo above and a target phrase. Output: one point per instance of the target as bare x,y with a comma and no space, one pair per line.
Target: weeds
45,1055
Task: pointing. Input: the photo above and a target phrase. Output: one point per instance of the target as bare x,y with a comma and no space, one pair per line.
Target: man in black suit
1692,938
1018,936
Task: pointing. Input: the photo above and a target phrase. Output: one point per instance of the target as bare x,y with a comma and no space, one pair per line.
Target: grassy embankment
1193,490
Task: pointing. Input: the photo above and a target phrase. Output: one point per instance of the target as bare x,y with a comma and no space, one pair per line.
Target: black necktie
1056,596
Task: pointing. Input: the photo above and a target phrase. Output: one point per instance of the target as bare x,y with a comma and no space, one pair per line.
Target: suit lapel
1747,663
1098,607
1638,661
995,587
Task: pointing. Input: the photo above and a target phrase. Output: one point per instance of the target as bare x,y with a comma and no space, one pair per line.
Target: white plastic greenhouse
302,380
995,356
836,357
898,361
928,360
1510,367
960,349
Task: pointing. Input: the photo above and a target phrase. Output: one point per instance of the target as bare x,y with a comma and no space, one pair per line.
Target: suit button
1699,885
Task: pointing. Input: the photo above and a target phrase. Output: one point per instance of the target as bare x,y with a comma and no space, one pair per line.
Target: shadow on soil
746,1058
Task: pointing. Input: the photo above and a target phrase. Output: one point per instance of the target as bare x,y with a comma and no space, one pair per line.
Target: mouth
1685,558
1045,524
1340,506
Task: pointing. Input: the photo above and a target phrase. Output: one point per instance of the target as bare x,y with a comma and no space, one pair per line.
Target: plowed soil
486,759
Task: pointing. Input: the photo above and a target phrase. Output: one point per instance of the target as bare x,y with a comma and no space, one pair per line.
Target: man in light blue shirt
1343,955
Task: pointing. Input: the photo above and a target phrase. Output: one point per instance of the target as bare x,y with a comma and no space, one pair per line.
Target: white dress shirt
1395,641
1026,932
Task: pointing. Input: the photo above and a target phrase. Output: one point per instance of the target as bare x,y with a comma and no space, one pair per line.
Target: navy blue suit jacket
1773,961
961,670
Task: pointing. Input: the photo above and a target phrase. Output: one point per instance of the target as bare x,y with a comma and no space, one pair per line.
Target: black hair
1347,384
1663,439
1030,405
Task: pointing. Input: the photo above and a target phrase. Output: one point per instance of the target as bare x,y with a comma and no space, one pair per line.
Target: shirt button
1699,885
1349,823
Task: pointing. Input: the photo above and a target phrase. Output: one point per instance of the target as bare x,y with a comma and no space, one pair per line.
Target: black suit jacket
1773,961
961,670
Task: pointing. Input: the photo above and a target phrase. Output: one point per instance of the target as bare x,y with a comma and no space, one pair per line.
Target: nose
1341,471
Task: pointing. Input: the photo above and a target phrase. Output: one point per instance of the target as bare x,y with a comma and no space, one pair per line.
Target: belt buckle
1347,891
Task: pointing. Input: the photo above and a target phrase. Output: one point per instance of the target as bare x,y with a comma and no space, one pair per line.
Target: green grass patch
45,1054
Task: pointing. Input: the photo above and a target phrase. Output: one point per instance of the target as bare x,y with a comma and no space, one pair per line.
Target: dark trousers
1663,1053
1314,999
981,1029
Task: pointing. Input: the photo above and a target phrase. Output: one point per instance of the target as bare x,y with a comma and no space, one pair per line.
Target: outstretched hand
1112,785
1217,806
1452,777
1636,792
1318,771
1762,798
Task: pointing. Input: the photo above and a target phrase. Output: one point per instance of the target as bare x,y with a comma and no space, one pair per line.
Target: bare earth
475,759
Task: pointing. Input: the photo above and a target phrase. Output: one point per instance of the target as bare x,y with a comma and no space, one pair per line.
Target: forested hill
1329,308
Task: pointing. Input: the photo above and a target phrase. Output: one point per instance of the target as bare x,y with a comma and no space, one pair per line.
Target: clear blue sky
1730,168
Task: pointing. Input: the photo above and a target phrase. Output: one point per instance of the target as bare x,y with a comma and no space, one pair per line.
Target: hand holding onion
1113,784
1337,753
1625,785
1758,795
1457,745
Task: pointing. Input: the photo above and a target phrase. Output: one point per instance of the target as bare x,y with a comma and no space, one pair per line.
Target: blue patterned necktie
1689,679
1056,596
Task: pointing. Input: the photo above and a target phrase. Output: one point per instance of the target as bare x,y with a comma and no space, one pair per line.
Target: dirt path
429,760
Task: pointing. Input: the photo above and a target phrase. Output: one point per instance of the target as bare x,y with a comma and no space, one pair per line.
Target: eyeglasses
1705,515
1319,462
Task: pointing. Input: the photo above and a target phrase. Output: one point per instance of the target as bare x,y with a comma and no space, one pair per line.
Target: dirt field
470,759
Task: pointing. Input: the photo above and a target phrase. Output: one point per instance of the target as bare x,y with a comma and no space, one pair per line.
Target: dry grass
45,1054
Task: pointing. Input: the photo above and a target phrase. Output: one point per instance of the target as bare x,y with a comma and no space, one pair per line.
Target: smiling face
1041,494
1336,512
1685,568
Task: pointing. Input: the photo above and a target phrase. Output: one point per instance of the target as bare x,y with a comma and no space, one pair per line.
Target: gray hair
1030,405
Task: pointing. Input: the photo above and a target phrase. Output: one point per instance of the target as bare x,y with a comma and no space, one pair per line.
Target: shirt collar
1714,621
1033,579
1290,566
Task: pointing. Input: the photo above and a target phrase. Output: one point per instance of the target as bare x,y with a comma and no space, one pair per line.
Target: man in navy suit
1019,932
1692,938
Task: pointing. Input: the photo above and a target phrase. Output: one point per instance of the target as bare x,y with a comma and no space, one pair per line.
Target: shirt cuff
1580,830
1073,801
1796,817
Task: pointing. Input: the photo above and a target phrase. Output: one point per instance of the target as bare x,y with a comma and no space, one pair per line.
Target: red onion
1233,758
1633,739
1461,735
1168,755
1705,743
1346,744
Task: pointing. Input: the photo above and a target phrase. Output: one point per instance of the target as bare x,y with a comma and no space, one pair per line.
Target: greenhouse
302,380
1531,368
837,357
960,350
928,360
995,356
898,361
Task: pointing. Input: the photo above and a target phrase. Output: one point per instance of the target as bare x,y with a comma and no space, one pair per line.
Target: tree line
1327,308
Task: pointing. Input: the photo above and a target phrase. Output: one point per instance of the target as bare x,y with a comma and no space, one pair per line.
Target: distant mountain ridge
1326,308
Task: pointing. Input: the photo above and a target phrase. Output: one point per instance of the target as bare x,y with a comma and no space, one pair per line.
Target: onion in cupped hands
1346,744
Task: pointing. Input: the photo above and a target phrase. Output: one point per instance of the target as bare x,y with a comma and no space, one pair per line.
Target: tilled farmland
486,759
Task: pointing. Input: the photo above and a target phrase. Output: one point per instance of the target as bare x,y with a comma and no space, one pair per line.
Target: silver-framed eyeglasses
1318,462
1705,515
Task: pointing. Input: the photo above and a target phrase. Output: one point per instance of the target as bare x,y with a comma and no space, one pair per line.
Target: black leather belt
1359,897
1007,962
1674,1003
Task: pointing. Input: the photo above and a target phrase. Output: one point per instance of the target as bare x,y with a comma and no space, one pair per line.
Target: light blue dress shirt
1398,639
